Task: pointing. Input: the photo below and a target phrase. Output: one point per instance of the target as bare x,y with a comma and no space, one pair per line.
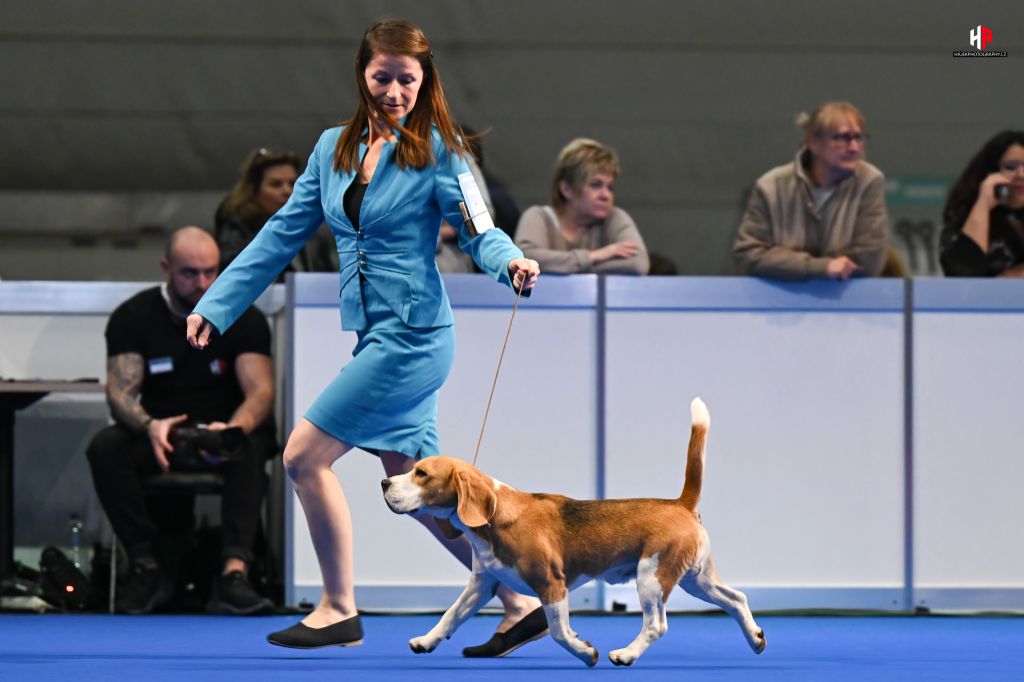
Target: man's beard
182,303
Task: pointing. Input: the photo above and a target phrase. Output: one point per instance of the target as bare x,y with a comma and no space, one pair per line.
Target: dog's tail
700,423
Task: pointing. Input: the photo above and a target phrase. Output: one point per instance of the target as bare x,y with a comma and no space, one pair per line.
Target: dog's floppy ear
477,501
450,532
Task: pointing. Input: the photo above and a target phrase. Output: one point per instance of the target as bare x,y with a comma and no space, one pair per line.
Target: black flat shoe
533,626
348,632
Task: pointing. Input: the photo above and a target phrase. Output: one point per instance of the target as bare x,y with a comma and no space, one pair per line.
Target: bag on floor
64,586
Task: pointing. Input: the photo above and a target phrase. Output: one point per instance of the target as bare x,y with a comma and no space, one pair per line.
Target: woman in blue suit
383,182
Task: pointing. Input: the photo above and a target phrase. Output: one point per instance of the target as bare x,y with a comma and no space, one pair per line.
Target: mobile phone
1002,191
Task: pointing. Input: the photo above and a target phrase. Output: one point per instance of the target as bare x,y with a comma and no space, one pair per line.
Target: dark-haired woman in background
267,180
983,220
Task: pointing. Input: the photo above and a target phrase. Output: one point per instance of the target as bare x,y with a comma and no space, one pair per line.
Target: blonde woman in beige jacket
823,215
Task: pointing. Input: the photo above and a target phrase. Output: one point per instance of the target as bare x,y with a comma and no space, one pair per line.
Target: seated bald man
157,382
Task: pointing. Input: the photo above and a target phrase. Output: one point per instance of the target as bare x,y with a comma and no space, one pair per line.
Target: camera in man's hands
190,441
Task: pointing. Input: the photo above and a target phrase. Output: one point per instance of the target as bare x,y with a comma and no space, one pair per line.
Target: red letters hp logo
981,37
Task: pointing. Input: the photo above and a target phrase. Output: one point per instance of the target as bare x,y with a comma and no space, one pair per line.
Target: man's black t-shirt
180,379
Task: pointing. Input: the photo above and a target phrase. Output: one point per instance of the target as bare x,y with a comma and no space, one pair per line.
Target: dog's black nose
385,484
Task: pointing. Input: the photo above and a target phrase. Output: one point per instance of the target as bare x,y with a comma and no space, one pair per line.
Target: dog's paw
589,655
423,645
622,657
759,642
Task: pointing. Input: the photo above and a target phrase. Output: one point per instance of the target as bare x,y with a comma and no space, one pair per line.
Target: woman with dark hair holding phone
983,219
383,180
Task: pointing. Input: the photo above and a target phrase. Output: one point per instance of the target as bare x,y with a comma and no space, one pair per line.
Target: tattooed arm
124,386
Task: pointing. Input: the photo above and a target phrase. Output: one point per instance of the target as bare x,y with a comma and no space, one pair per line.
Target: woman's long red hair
404,39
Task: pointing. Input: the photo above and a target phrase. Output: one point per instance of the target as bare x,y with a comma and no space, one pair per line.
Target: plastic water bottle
75,533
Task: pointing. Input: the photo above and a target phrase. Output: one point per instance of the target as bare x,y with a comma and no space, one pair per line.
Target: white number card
479,219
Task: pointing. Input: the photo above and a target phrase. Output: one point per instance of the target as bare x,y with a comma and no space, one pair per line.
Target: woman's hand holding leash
523,269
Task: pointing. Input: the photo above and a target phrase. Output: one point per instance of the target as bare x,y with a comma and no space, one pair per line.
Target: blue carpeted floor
155,648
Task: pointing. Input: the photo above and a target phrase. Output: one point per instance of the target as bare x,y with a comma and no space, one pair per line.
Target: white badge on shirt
474,210
161,365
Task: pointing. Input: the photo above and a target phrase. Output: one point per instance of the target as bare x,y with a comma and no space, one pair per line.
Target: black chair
185,483
190,483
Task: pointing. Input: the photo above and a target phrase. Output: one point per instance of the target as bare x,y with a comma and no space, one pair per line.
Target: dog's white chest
488,562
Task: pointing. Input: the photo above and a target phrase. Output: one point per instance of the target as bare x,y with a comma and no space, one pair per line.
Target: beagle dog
546,545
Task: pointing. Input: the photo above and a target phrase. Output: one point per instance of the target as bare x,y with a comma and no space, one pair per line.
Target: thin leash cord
496,371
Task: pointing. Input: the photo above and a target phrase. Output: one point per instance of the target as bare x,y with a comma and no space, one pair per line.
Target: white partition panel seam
289,422
908,444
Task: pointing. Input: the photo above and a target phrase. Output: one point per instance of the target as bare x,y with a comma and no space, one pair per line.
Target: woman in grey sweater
582,231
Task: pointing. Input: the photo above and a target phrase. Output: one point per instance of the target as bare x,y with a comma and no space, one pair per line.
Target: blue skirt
385,398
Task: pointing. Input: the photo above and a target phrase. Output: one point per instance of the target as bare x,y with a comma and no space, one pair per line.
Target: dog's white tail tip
699,415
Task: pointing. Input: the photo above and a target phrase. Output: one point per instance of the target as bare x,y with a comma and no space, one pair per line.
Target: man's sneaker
233,594
144,591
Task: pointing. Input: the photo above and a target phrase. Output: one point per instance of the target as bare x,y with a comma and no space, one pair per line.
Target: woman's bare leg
308,457
516,605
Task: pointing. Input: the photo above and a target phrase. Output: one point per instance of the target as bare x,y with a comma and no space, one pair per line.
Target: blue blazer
394,248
